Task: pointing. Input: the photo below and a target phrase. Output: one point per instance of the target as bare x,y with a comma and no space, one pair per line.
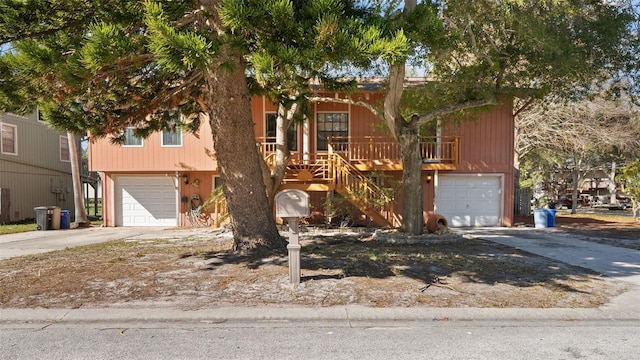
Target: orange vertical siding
196,152
487,146
487,142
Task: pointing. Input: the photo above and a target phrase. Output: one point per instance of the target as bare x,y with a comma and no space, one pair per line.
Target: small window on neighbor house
130,138
39,116
64,149
9,139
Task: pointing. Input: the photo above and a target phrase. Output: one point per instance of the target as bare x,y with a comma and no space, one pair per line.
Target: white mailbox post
291,205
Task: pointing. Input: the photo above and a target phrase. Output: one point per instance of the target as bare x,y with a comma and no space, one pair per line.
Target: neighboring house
468,173
595,187
35,168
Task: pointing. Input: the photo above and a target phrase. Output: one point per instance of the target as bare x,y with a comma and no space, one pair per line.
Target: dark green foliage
92,67
562,47
294,43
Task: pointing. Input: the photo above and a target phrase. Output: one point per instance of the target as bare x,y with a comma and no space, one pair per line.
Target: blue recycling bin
551,217
65,219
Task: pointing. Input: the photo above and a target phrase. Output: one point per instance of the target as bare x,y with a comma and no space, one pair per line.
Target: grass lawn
605,217
17,228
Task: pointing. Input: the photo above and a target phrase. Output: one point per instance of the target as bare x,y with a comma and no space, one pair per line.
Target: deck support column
306,144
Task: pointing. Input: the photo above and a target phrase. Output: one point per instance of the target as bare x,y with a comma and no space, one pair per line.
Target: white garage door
469,200
145,201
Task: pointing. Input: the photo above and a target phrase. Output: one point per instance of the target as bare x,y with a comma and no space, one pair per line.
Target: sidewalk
619,263
347,315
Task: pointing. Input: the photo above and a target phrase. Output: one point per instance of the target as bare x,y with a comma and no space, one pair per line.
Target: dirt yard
618,230
338,268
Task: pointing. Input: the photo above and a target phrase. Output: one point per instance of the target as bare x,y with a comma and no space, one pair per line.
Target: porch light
185,179
429,178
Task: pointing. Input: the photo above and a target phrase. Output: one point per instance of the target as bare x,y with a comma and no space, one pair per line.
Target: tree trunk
412,217
406,135
282,156
575,177
80,211
613,200
229,107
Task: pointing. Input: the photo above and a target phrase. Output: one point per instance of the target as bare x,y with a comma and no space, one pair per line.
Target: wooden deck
371,154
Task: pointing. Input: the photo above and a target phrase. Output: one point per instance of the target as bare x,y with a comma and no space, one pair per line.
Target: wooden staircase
334,172
217,205
366,195
345,179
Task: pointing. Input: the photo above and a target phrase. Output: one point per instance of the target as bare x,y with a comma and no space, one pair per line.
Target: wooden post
294,251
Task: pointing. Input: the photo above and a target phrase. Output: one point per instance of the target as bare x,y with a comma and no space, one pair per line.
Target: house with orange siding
467,171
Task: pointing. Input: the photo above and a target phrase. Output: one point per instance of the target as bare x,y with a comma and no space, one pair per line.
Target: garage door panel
457,221
146,201
480,181
469,200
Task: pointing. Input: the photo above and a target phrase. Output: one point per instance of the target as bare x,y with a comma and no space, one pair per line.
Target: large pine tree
101,66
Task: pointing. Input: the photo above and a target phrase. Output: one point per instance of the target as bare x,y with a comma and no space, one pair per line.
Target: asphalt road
601,339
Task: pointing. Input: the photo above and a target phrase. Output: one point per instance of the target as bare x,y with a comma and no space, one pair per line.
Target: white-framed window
8,139
40,117
331,125
172,138
64,149
270,131
130,138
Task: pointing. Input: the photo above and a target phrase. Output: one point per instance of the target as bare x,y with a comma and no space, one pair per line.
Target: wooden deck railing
216,205
371,150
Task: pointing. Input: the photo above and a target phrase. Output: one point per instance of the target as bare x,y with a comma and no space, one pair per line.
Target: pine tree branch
364,104
447,110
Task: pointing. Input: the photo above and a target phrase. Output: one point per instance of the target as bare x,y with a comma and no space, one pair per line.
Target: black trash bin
43,219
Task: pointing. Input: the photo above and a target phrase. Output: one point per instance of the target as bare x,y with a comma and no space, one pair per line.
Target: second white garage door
469,200
145,201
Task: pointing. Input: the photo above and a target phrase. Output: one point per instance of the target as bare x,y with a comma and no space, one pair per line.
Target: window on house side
331,125
270,131
39,116
64,149
172,137
130,138
9,139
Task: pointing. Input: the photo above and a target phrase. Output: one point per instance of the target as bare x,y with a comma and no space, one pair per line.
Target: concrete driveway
614,262
35,242
553,243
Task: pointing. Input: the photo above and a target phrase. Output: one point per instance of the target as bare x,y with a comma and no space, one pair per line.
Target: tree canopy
491,50
102,65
